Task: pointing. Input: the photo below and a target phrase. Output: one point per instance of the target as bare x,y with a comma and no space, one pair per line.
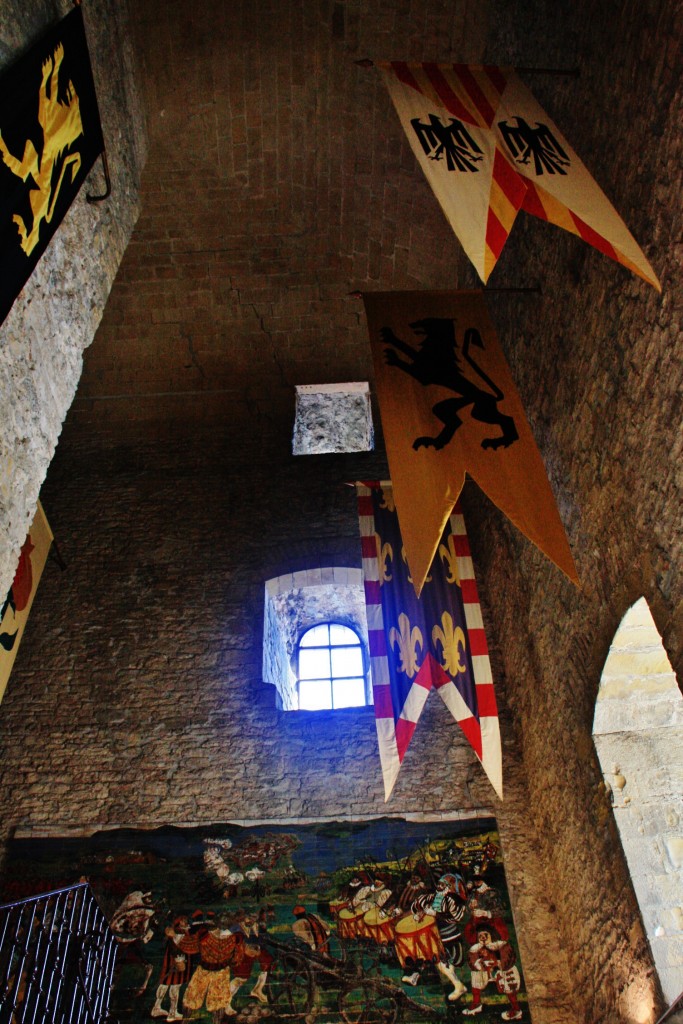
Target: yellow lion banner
50,136
449,406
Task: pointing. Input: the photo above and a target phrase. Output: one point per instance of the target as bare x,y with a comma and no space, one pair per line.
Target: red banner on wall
17,605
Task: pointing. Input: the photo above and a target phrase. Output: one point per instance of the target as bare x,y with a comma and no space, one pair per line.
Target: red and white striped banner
488,150
434,641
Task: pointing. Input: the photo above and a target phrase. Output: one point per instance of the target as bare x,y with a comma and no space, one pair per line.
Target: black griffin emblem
453,140
523,142
436,361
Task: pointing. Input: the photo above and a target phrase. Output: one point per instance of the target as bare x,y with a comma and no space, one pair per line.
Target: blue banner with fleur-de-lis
435,641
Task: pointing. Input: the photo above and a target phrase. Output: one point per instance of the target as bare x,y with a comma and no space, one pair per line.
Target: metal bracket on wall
105,162
56,555
367,62
107,181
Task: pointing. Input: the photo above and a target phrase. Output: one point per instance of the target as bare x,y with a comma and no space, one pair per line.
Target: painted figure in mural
377,894
219,951
413,889
447,906
292,878
484,858
176,970
311,930
251,932
131,927
492,959
486,908
255,875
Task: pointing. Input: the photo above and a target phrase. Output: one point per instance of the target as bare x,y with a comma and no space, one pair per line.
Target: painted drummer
486,909
491,959
378,894
414,888
447,904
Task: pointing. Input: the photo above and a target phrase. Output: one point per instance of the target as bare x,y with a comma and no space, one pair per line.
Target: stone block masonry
139,695
59,309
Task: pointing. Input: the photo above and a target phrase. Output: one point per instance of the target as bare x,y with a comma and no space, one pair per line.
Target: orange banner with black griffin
449,406
50,136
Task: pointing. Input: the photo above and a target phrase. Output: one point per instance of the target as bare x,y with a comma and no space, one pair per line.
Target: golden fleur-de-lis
407,640
388,499
405,559
453,645
449,557
385,554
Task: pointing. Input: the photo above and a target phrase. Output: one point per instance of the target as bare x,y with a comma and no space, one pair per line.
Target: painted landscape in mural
373,922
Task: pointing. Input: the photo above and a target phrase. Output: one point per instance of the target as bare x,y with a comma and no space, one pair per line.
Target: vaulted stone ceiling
279,181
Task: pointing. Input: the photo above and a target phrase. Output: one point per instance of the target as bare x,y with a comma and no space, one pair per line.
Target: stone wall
598,364
57,313
138,697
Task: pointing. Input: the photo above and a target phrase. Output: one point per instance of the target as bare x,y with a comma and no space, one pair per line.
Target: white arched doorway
638,734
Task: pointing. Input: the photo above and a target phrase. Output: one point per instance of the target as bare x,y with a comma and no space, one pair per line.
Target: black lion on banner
436,362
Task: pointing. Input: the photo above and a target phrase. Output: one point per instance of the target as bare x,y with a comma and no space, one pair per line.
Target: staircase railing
676,1007
57,956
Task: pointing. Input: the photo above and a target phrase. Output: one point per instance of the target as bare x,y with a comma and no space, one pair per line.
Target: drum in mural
245,906
350,924
418,940
336,906
379,926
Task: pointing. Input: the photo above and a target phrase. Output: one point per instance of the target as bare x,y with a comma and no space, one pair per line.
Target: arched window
299,601
330,672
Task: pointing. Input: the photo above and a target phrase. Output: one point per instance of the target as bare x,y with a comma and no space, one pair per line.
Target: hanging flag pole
532,290
367,62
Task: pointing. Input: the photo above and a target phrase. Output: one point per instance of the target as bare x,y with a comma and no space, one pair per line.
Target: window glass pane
318,636
314,695
349,693
347,661
342,635
314,663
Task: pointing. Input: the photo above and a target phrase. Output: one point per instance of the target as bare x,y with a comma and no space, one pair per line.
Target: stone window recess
332,418
638,735
293,604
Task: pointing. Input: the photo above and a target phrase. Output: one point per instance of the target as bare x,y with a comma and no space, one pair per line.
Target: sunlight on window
331,673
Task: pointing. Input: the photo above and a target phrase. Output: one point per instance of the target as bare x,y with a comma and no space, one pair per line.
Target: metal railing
57,956
675,1008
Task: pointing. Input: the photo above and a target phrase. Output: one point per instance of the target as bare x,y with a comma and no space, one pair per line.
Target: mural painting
373,922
